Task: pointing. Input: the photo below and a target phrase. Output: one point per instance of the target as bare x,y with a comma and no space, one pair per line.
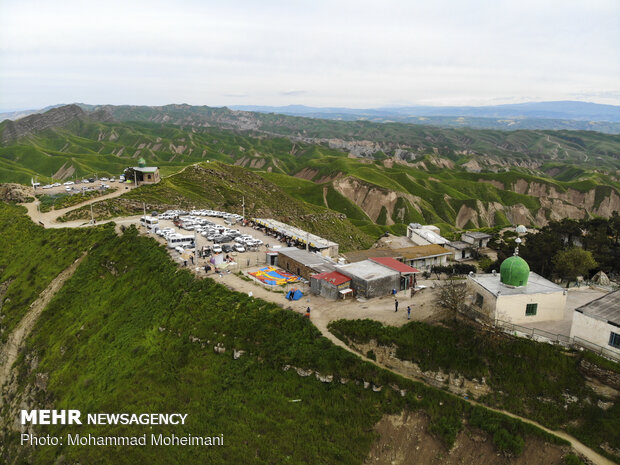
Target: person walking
395,305
409,312
308,313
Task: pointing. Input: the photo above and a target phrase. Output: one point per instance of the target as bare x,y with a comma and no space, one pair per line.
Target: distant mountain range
568,115
572,110
562,115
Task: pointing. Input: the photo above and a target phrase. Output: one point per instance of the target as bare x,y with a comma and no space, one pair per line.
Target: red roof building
395,265
333,277
331,285
407,273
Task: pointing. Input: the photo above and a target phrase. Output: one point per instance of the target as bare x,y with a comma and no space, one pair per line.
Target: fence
540,335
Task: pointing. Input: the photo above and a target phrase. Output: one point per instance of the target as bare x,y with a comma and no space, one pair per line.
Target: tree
573,262
451,296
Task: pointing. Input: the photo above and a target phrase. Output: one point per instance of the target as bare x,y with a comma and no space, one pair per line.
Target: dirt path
324,311
9,352
579,447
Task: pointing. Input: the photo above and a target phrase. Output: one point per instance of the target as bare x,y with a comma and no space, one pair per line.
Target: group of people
396,308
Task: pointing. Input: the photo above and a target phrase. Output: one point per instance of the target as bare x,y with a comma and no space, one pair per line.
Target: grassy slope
117,338
92,147
30,265
222,186
527,378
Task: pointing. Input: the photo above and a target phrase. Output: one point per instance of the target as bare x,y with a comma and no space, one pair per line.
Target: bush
506,442
572,459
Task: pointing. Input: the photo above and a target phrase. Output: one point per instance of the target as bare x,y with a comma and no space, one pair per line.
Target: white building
598,322
425,235
516,295
477,240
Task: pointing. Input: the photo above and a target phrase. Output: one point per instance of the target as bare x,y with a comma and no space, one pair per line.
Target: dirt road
50,219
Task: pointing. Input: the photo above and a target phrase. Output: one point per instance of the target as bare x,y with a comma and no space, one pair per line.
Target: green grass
33,256
119,337
65,200
222,186
526,378
107,148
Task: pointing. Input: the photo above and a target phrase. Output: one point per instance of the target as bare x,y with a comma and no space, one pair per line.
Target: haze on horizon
356,54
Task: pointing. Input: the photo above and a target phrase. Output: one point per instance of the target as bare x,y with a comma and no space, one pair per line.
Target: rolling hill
380,176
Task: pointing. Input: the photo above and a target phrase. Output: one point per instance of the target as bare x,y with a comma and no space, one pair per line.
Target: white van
177,240
149,222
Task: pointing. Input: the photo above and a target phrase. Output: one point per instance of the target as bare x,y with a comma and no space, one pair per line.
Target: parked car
226,248
217,249
239,248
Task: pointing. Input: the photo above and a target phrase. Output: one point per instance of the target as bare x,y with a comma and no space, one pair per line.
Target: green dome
141,163
514,271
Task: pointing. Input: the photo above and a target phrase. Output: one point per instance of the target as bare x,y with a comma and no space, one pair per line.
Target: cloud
345,53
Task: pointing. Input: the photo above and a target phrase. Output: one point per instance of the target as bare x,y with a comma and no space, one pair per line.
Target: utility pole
92,217
243,206
307,241
135,178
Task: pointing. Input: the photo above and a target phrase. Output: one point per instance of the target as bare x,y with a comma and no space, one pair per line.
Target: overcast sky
319,53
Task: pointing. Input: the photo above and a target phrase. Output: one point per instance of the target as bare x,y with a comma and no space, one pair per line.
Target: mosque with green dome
516,294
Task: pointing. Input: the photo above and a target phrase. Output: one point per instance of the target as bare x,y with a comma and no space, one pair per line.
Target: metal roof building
303,263
370,279
597,325
315,243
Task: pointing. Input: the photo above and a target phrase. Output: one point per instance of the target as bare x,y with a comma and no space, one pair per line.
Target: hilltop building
598,322
143,174
475,239
425,235
425,256
419,257
462,250
516,295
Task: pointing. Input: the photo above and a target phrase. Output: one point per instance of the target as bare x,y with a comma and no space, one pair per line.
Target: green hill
129,332
402,174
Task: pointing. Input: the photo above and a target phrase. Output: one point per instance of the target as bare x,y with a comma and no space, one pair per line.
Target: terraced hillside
71,143
488,148
470,179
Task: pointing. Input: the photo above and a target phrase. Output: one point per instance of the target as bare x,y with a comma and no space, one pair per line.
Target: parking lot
78,186
203,228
